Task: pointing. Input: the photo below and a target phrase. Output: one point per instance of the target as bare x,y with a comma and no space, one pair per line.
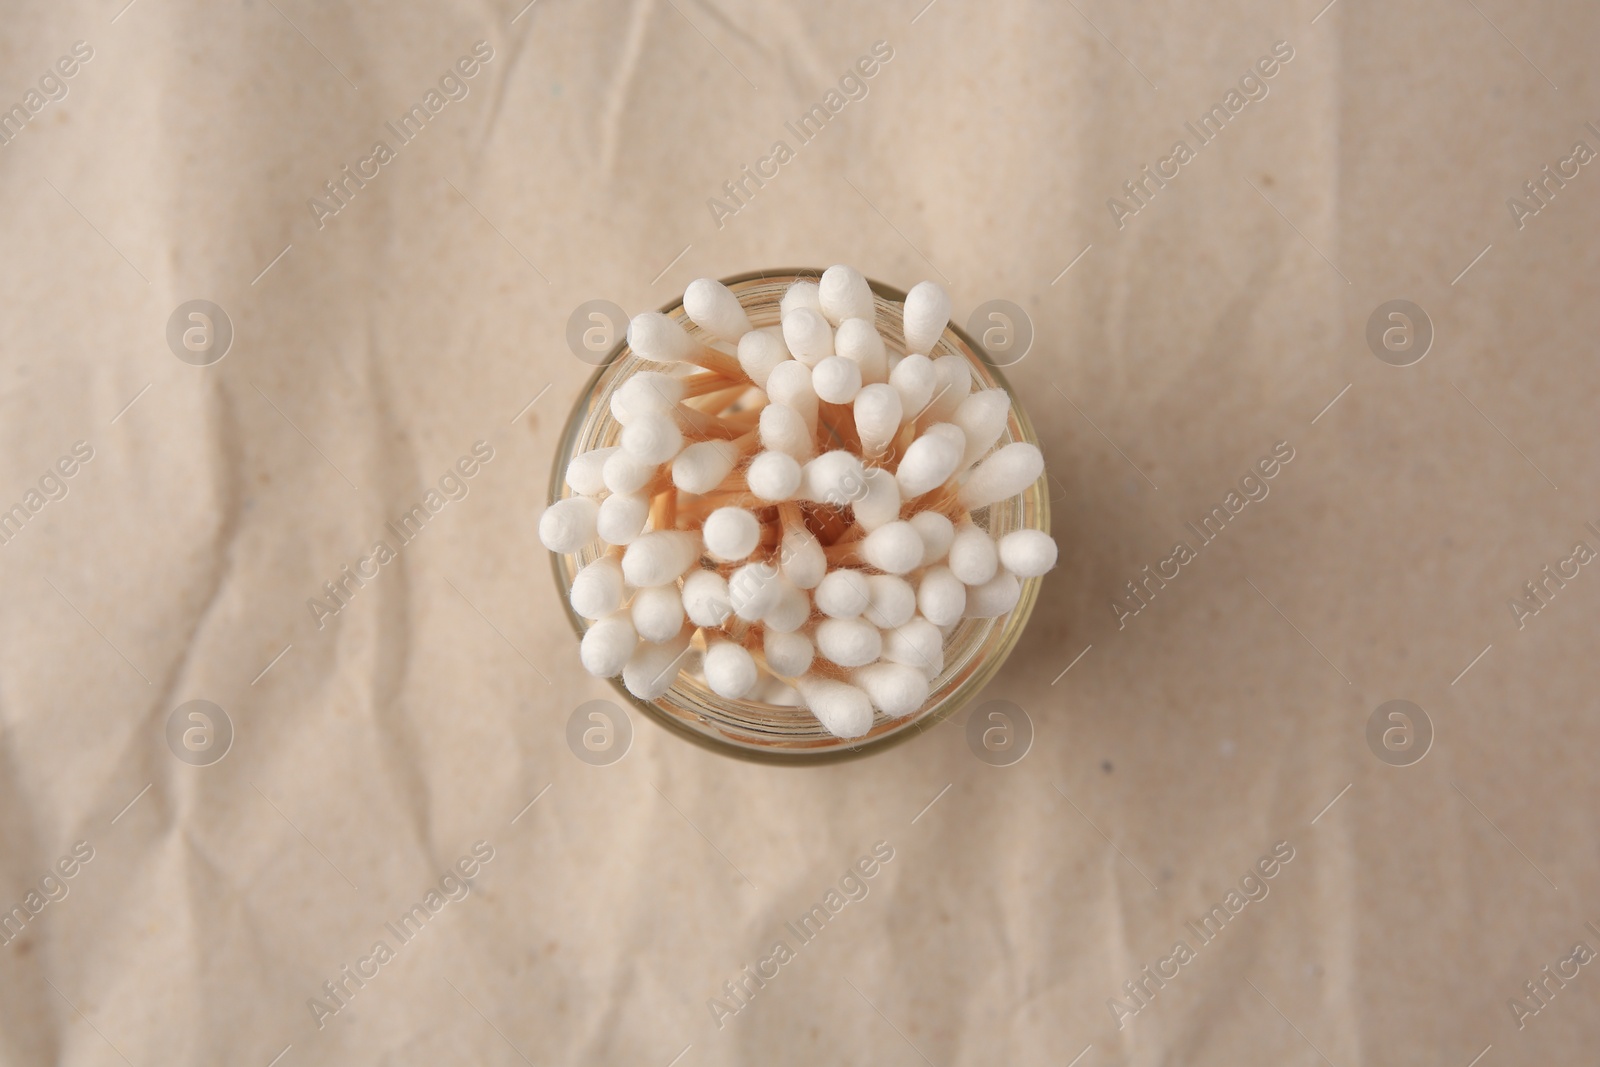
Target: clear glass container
973,653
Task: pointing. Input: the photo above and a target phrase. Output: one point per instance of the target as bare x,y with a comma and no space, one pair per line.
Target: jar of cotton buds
798,517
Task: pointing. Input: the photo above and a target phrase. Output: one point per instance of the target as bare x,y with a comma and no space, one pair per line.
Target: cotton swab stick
844,293
843,710
807,335
608,645
568,525
659,557
1027,553
858,340
597,589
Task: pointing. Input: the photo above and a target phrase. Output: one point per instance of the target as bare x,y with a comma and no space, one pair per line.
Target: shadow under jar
750,729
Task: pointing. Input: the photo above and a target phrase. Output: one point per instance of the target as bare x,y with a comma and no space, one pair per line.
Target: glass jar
973,652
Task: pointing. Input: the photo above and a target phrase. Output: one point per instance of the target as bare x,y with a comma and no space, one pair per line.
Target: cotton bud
788,654
659,557
759,352
705,598
877,416
843,710
657,613
808,335
597,589
931,460
927,312
585,474
730,670
893,688
836,380
843,594
622,517
608,644
858,340
1004,474
915,379
941,597
702,466
568,525
982,418
713,307
953,381
844,294
1027,553
731,534
895,548
972,555
652,668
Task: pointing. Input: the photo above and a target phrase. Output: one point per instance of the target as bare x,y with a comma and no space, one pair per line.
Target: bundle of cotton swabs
799,496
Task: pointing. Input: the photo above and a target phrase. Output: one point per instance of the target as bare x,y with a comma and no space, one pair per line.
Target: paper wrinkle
622,79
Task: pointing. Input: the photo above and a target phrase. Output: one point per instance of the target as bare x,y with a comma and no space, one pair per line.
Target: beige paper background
426,316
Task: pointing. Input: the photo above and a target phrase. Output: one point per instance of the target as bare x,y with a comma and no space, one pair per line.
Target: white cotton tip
844,294
894,547
940,596
759,352
930,461
568,525
645,392
730,670
800,295
788,654
659,557
713,307
807,335
982,418
626,473
836,380
973,557
1009,471
773,475
843,710
607,645
653,438
859,340
877,415
1027,553
731,534
622,517
782,429
705,598
597,589
848,642
893,688
586,472
917,644
790,611
914,378
656,337
993,598
843,594
835,478
702,466
892,603
803,561
927,312
753,590
657,613
789,384
879,502
937,532
952,383
772,691
653,668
